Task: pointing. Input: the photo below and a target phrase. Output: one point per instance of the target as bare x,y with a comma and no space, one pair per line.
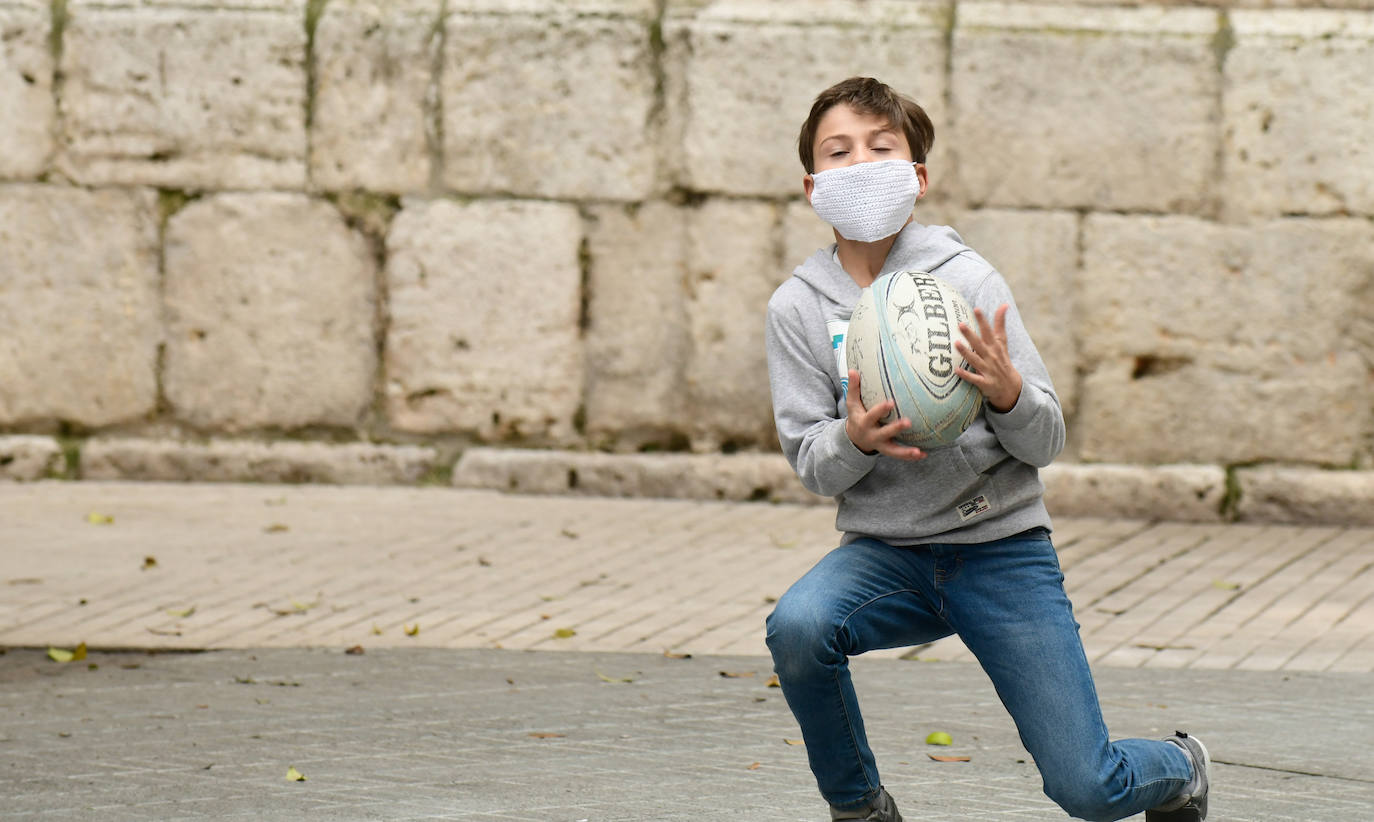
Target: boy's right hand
865,429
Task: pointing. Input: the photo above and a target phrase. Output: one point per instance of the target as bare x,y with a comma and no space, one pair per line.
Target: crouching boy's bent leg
1007,601
861,597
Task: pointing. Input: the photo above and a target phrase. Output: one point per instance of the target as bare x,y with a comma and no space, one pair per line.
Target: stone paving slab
247,566
473,734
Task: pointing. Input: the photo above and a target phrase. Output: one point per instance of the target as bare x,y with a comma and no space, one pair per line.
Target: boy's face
845,137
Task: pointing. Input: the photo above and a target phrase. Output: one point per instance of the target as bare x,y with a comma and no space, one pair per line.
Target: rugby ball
901,341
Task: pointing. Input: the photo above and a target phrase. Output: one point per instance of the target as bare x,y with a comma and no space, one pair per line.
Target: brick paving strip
256,566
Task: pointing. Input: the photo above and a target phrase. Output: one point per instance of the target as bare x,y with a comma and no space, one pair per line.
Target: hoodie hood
918,248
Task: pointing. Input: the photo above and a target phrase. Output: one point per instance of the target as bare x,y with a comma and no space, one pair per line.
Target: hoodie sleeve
1033,430
804,409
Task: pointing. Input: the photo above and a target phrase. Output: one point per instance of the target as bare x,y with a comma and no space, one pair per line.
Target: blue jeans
1006,601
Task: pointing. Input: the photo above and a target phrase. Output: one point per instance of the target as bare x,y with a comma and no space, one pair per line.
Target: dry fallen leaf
753,767
412,630
793,741
605,678
545,735
1223,585
772,682
736,674
181,612
294,775
949,758
356,650
95,518
675,655
63,655
564,633
375,630
276,528
149,562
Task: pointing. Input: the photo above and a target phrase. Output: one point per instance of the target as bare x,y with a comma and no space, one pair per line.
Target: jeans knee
797,636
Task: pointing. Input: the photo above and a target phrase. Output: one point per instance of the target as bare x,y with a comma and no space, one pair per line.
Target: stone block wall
553,225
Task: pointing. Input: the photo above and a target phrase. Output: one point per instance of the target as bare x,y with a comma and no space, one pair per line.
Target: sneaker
883,809
1190,806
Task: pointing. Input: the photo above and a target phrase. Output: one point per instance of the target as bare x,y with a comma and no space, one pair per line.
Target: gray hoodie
983,487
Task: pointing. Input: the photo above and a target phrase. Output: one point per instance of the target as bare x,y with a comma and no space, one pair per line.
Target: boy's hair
868,96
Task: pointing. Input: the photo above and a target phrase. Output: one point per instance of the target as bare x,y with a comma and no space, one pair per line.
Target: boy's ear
924,179
808,185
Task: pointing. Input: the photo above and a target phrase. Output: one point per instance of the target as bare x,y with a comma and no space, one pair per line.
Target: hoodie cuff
1020,414
848,453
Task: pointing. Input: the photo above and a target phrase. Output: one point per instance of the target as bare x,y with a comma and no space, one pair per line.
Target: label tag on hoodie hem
968,509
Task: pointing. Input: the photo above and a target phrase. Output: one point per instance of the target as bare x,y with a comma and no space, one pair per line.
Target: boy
917,561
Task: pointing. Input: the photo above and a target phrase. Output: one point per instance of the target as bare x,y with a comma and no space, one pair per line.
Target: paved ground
510,735
1261,639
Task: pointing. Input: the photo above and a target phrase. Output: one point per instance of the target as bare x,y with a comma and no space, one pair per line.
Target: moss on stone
60,16
170,201
70,468
368,212
1230,501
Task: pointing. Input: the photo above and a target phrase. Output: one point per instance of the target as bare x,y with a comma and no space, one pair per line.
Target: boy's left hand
987,353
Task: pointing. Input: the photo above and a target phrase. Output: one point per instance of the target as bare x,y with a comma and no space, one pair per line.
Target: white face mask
866,201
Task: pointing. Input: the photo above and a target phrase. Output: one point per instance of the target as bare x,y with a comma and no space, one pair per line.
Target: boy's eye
882,148
838,153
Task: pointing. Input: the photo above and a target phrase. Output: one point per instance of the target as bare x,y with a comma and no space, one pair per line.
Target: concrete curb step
1185,493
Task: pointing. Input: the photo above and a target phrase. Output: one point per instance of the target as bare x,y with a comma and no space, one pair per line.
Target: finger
976,341
1002,321
901,452
968,343
873,416
886,432
984,327
854,402
851,395
973,357
977,380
